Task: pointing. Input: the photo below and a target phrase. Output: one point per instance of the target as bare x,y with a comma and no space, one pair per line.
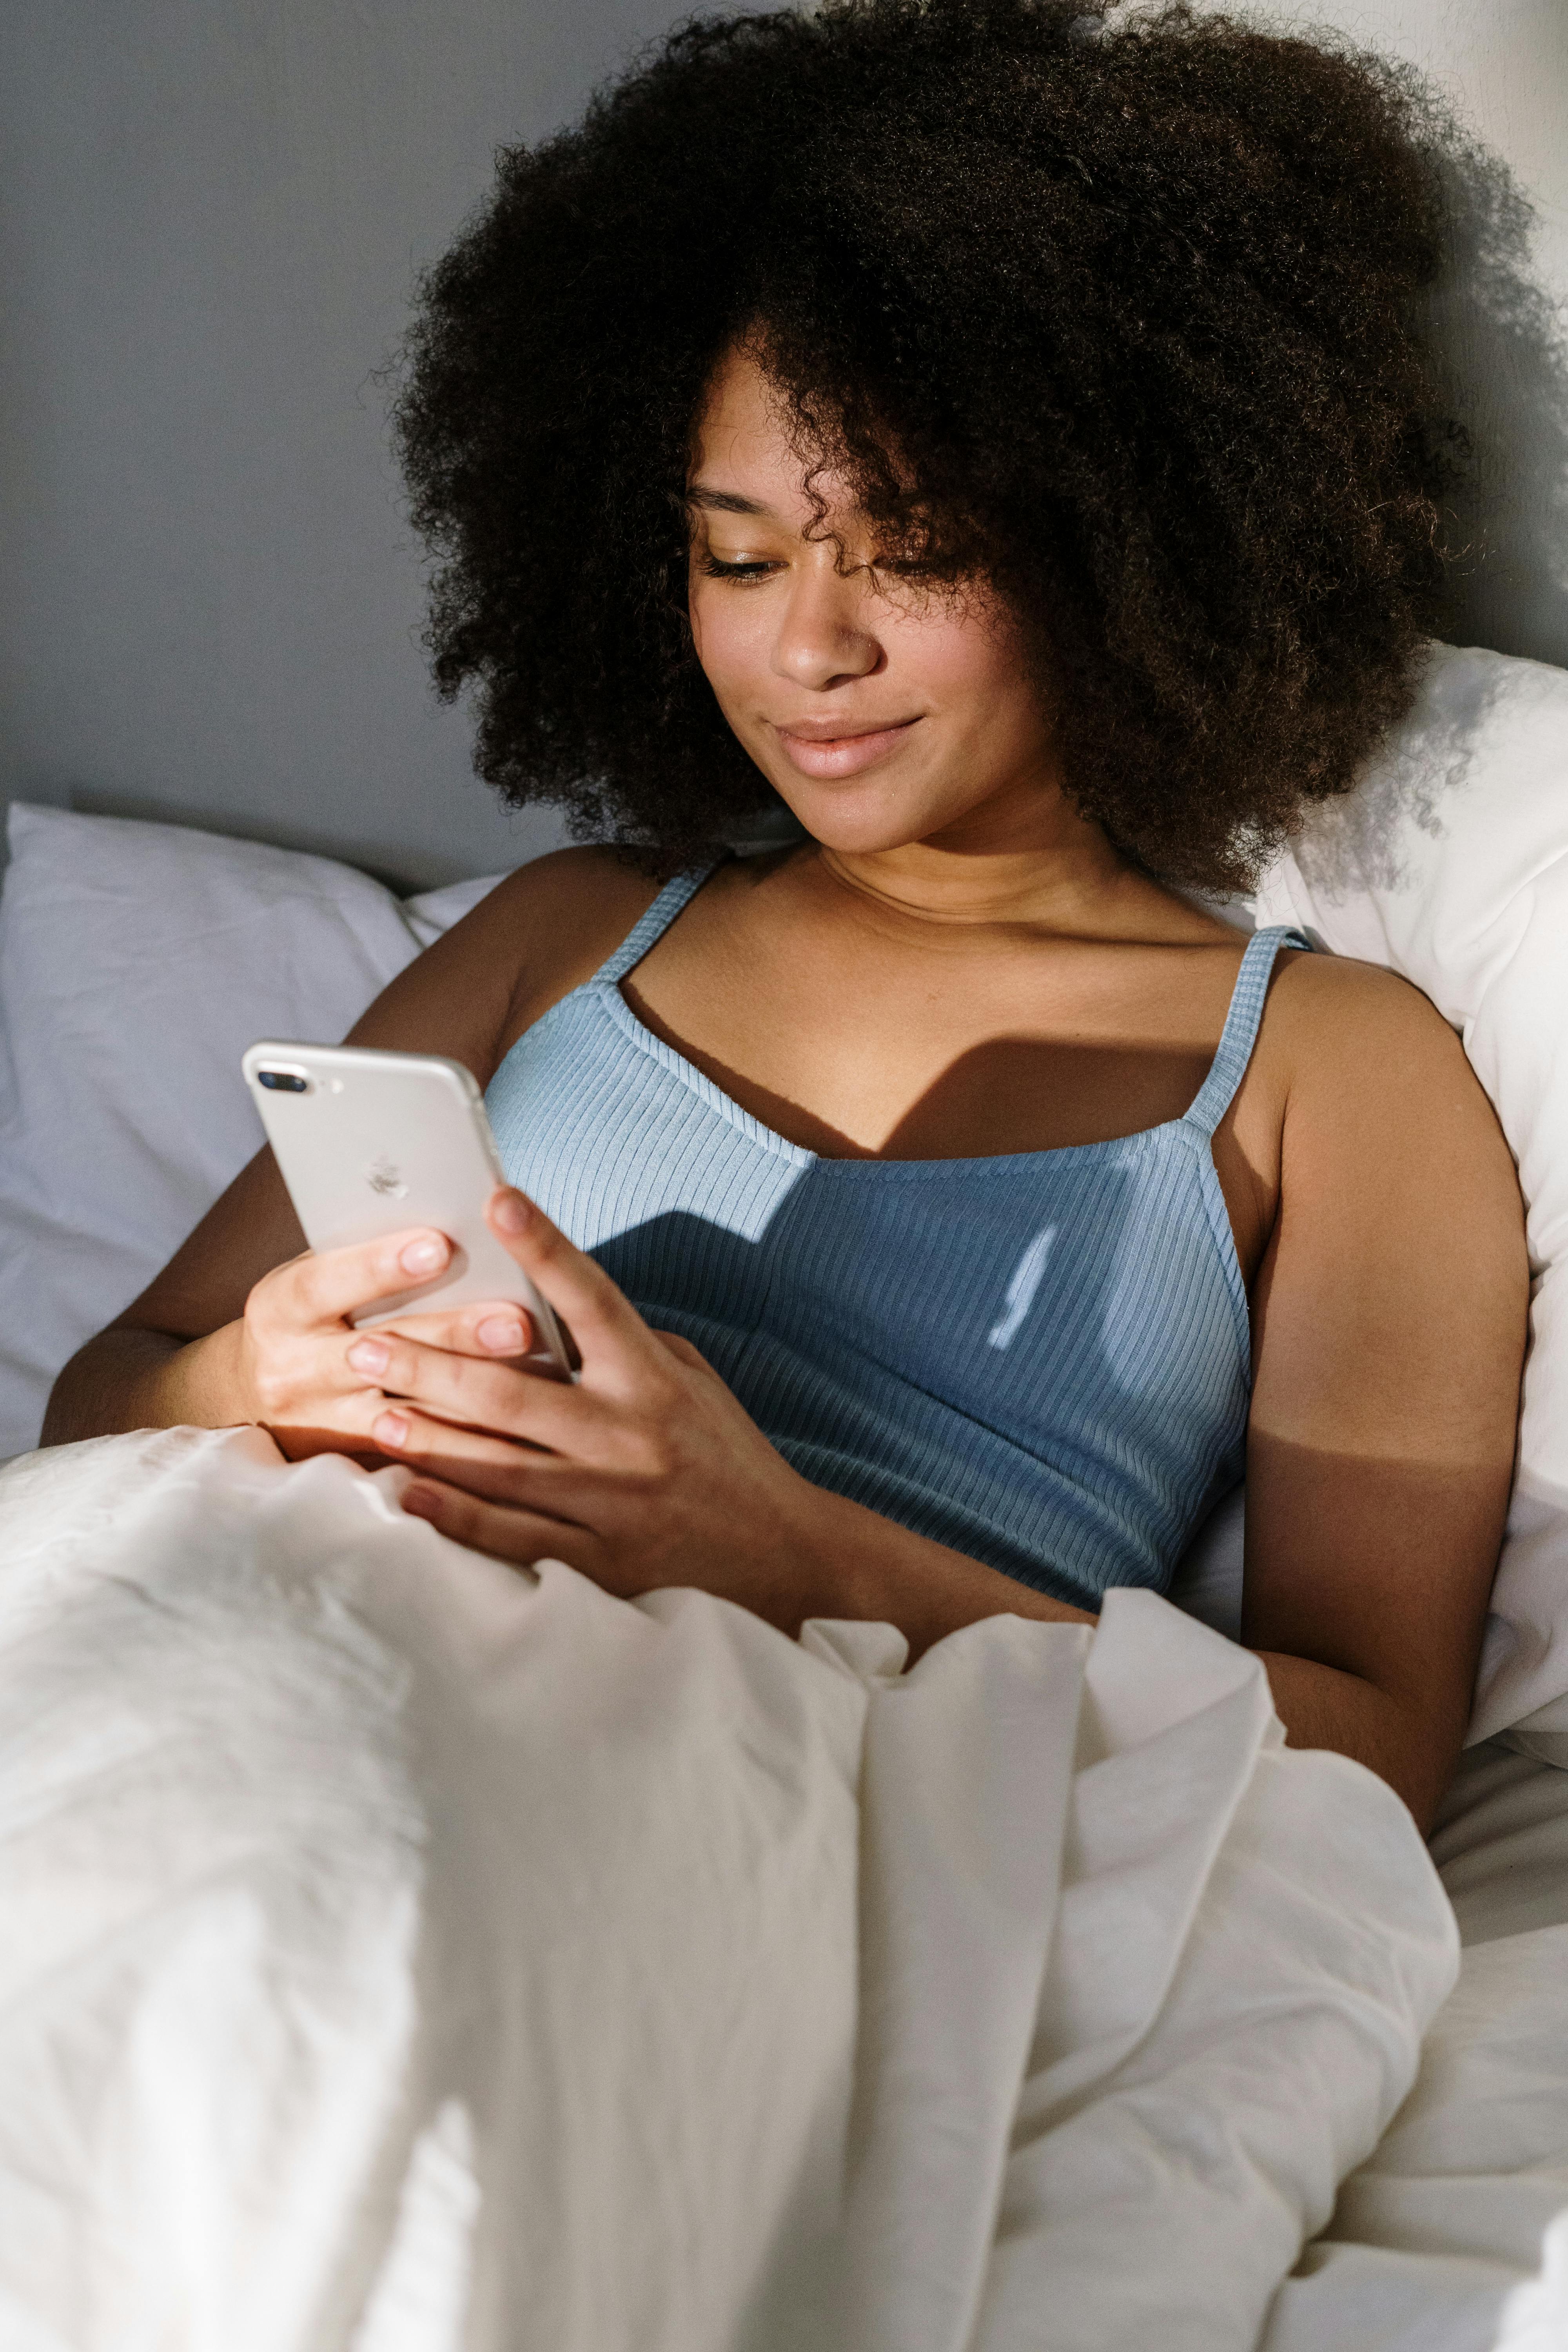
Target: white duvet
404,1954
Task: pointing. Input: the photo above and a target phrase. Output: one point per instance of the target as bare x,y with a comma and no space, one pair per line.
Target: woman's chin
864,823
851,840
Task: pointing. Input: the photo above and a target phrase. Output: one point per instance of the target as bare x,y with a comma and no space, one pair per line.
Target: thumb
601,1318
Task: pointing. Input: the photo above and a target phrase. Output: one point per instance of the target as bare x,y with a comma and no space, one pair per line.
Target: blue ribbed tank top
1042,1358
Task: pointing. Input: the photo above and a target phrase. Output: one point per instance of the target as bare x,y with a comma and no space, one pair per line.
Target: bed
135,963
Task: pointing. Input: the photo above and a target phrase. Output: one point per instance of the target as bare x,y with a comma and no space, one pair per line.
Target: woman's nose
825,634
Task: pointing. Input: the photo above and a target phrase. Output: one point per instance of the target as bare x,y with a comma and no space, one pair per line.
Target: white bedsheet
404,1954
1454,2236
1501,1843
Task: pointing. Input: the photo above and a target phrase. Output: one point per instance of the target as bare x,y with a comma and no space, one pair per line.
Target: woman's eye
715,568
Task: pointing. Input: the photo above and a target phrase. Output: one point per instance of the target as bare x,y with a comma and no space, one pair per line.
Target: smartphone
372,1143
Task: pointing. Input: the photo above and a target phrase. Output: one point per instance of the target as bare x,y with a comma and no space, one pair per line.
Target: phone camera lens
283,1082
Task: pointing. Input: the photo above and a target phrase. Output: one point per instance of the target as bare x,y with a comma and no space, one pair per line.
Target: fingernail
501,1333
427,1256
370,1356
389,1429
421,1503
512,1212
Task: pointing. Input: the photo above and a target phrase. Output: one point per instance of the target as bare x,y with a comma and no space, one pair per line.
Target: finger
518,1538
409,1435
497,1468
495,1328
513,1403
326,1288
602,1319
321,1423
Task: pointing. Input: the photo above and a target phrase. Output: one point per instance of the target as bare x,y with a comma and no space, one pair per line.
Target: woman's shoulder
572,907
551,924
1330,1014
1366,1064
539,934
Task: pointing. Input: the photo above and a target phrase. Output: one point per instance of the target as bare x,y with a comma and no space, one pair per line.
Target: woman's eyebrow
698,494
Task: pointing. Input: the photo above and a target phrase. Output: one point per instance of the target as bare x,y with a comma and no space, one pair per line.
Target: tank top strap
1241,1024
655,923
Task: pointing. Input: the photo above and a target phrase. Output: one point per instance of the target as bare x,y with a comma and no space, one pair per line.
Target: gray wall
211,216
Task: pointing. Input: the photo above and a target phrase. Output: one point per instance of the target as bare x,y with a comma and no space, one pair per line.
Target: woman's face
882,716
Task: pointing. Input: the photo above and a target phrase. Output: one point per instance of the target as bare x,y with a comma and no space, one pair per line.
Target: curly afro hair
1114,314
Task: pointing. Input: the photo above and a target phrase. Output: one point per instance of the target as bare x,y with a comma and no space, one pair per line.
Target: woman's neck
1029,860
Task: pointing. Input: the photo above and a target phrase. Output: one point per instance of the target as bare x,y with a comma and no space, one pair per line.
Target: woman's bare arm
175,1354
1390,1316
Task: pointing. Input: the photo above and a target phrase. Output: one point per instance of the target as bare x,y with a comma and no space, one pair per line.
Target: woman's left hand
644,1472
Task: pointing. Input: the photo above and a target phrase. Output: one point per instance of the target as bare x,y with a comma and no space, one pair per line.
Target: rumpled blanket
402,1954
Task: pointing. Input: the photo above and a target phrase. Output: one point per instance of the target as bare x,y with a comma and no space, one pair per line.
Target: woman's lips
841,755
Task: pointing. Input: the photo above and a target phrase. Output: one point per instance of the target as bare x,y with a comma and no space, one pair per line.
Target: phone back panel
374,1143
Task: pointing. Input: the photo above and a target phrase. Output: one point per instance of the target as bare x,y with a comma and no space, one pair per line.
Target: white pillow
1449,864
137,962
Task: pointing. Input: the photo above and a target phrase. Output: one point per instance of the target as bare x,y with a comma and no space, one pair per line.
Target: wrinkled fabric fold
404,1954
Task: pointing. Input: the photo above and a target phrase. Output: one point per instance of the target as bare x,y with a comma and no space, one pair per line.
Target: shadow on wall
1504,350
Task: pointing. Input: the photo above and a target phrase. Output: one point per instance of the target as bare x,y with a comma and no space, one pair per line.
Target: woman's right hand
311,1379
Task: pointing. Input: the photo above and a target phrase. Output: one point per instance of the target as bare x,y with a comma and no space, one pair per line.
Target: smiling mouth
815,752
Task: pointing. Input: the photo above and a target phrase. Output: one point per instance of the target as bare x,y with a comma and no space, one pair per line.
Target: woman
1001,438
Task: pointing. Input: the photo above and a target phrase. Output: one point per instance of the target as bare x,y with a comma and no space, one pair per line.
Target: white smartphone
372,1143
